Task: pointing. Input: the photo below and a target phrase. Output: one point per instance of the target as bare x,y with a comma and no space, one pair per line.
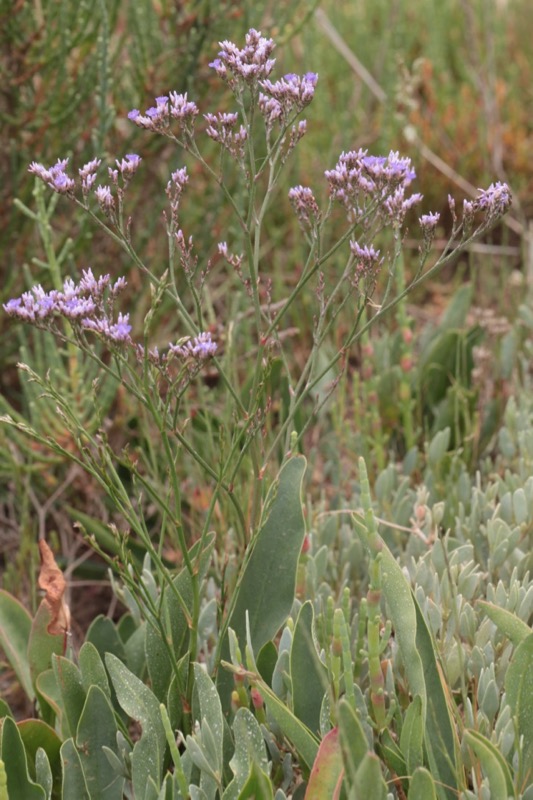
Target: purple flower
495,200
367,261
429,221
221,129
87,174
128,166
303,201
55,177
249,64
167,107
290,95
105,198
121,330
200,347
359,180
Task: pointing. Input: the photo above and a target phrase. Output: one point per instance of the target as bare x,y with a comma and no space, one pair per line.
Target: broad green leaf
105,637
419,656
509,624
12,753
249,747
326,777
37,735
97,728
140,703
369,781
412,736
15,628
493,764
519,690
265,588
171,613
295,731
72,693
258,785
43,772
354,744
308,674
49,696
41,647
92,669
388,750
422,785
210,711
74,786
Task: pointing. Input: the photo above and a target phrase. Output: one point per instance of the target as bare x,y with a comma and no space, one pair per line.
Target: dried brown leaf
52,582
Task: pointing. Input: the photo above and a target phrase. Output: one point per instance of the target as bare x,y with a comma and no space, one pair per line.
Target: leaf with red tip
328,772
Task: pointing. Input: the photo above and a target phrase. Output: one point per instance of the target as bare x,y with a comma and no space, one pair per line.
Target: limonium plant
352,229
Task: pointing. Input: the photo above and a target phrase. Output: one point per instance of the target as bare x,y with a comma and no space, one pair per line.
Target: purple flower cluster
169,107
494,201
250,64
199,347
290,95
359,180
177,183
87,304
367,260
303,201
55,177
222,129
88,175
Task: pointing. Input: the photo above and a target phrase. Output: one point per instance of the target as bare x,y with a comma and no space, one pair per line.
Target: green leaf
266,585
37,735
412,736
12,753
493,764
249,748
49,696
509,624
389,752
308,674
294,730
354,744
257,786
419,656
5,711
74,786
72,693
519,691
43,772
41,647
104,636
422,785
171,613
369,781
140,703
92,669
15,628
266,661
210,711
97,729
328,770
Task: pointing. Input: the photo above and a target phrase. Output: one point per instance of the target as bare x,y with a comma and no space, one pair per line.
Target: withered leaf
52,582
